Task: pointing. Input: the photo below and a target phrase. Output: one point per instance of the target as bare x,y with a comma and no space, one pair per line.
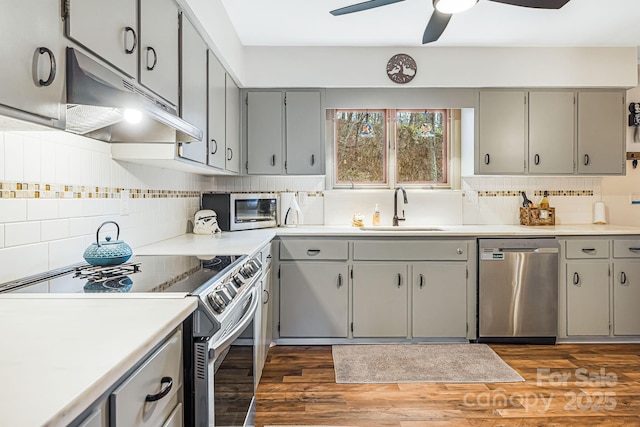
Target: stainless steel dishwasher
518,290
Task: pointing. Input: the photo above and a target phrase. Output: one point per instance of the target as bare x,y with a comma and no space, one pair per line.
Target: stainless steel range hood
98,97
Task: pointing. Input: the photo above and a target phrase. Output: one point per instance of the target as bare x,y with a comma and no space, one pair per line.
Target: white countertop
466,230
225,243
59,354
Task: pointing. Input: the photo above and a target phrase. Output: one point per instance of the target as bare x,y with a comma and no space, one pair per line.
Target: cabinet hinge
351,326
278,272
285,165
246,99
246,165
467,276
278,327
66,8
351,274
609,271
467,328
574,100
285,100
525,99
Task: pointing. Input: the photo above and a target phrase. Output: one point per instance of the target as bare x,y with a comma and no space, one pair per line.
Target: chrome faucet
395,205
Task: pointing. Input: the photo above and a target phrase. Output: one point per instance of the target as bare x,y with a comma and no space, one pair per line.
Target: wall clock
401,68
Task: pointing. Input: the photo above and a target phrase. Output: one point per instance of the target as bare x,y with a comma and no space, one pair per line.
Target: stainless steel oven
243,211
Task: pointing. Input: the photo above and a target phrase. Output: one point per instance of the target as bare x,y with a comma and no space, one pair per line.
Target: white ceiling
308,23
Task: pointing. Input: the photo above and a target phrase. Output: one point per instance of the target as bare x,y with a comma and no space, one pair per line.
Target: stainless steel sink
400,228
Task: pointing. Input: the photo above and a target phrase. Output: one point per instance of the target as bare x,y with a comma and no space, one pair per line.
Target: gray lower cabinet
33,60
380,300
313,299
439,299
193,84
626,295
587,298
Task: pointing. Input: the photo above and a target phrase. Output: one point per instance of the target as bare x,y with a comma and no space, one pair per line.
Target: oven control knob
238,280
222,294
215,303
231,290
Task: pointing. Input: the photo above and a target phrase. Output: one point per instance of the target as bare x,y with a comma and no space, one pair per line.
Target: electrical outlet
124,202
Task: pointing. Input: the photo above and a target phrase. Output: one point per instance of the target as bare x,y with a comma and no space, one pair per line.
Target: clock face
401,68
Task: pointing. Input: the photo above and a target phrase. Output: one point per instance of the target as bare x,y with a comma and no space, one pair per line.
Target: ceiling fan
444,10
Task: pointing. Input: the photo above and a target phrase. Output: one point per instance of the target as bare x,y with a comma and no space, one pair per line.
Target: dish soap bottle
544,203
376,216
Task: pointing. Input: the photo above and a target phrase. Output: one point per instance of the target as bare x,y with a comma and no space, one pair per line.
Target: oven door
231,370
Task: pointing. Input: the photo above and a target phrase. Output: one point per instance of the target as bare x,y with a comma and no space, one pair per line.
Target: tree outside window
420,139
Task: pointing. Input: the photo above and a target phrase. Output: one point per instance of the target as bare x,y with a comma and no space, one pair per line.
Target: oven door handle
239,328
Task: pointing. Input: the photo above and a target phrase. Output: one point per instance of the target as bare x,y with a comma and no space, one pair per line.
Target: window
413,149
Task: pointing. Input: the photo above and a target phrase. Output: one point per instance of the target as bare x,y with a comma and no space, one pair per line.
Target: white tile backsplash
40,209
2,236
66,252
22,261
21,233
48,162
2,161
13,210
32,159
13,157
54,230
62,164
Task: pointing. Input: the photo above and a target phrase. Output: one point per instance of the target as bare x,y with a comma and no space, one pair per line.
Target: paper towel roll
599,213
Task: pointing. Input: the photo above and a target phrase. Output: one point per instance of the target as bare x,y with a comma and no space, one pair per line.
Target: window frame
390,150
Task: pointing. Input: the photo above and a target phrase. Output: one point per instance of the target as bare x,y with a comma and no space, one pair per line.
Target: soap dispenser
376,216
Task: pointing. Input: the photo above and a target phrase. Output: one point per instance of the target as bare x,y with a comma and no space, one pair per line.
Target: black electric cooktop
163,273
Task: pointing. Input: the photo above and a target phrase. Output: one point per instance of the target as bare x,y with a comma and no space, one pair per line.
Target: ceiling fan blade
437,23
362,6
538,4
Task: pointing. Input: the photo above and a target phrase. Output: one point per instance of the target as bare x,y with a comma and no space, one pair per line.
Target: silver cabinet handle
229,153
167,382
536,159
576,278
487,159
265,296
313,159
634,249
52,66
459,251
588,250
421,285
313,252
155,58
127,50
215,144
586,160
273,160
399,279
623,278
339,280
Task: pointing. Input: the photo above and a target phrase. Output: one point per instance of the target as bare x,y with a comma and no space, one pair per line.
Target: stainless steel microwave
243,211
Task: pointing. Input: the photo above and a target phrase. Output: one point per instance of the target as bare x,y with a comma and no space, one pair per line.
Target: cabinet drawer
434,250
587,249
128,401
314,249
626,248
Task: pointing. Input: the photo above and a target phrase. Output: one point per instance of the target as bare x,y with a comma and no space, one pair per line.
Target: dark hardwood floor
577,385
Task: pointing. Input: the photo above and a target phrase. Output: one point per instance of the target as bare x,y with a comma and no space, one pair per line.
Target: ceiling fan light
453,6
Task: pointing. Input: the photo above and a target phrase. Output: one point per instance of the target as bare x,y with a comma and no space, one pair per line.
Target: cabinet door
439,299
193,103
217,111
304,133
587,298
502,132
265,136
108,29
159,63
313,300
551,132
32,52
232,152
380,300
601,133
626,294
267,314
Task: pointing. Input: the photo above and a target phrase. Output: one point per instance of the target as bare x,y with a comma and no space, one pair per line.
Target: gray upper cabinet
108,29
265,136
158,39
304,133
284,133
232,126
551,132
502,130
32,52
193,84
601,133
217,112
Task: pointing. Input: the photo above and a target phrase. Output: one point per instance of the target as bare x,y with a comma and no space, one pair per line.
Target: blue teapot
107,252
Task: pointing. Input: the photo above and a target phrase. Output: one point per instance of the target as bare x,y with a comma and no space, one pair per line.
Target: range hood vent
98,97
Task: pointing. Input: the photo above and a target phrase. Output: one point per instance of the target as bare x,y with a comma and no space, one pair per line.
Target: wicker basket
536,216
